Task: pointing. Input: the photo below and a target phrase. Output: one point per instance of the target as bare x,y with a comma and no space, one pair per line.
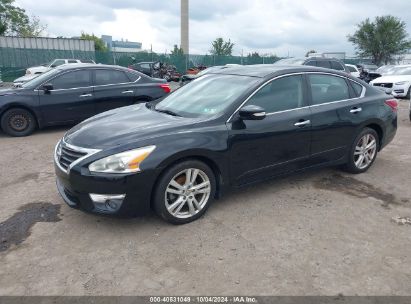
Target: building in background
121,46
45,43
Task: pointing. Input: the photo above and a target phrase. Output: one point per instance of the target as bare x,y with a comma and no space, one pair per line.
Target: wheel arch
24,107
380,131
210,162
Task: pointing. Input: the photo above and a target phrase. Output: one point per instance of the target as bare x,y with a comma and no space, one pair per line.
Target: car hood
392,78
125,126
10,91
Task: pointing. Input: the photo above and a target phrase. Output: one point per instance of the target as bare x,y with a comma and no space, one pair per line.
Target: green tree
177,51
33,29
99,44
381,39
12,18
221,47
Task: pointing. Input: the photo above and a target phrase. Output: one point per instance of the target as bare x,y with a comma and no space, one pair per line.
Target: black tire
161,197
18,122
351,166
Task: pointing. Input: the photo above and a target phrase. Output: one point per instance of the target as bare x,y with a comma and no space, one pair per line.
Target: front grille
383,85
68,156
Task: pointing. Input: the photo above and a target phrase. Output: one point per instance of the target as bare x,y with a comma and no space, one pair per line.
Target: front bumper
75,189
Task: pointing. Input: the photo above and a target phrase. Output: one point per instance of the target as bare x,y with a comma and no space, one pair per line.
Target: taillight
393,104
166,87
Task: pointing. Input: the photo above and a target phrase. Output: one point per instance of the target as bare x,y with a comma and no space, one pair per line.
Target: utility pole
185,27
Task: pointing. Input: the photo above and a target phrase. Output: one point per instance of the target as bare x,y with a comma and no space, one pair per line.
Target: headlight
125,162
401,83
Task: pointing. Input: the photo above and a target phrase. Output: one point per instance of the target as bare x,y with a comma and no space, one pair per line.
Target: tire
173,200
408,96
357,151
18,122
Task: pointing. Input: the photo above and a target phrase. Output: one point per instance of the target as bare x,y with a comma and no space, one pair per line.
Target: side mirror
252,112
47,87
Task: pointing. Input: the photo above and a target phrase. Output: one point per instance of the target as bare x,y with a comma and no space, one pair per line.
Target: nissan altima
71,93
222,131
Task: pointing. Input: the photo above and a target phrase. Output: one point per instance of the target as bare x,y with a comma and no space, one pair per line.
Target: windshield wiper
169,112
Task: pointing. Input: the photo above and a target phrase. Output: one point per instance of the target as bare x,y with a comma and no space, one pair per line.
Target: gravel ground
318,233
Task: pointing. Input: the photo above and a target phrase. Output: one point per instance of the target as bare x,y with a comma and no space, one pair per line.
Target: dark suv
321,62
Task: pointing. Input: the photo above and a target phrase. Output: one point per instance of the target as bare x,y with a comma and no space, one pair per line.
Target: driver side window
282,94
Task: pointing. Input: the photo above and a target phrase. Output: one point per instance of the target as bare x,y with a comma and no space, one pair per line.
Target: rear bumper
390,132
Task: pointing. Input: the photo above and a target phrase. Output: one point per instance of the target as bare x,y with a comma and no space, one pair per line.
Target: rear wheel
18,122
363,151
184,192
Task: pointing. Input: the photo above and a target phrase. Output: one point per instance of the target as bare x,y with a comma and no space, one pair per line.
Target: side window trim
61,74
111,84
306,105
337,101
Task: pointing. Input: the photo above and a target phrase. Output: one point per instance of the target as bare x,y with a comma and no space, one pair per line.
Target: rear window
357,88
133,76
323,64
335,65
105,77
351,69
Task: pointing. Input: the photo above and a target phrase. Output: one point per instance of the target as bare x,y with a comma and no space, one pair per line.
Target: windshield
291,61
40,79
404,71
209,95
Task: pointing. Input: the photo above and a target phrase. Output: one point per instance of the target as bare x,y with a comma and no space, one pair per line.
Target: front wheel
18,122
363,151
184,192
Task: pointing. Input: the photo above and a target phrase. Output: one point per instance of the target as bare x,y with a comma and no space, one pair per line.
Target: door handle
86,95
127,92
302,123
355,110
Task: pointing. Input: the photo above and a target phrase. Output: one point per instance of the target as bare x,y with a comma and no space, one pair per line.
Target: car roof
73,66
269,70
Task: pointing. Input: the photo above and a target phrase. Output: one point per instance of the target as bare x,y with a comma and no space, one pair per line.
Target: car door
113,89
333,108
71,97
281,141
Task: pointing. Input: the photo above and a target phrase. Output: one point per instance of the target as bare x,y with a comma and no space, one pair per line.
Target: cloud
268,26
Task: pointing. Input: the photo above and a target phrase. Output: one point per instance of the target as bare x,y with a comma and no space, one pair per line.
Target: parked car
55,63
157,70
189,77
72,93
397,82
368,72
146,68
322,62
353,70
227,129
23,79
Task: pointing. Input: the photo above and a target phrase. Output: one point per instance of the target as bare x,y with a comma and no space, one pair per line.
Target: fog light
107,203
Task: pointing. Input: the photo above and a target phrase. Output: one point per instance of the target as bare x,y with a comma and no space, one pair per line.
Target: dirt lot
319,233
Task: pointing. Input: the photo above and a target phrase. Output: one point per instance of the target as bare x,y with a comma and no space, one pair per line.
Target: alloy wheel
365,151
187,193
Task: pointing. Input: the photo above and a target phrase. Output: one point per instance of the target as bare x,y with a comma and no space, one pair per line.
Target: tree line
380,39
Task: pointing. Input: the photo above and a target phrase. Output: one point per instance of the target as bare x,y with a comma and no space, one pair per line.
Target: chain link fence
15,61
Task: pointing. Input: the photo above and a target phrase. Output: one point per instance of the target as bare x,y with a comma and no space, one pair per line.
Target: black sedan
72,93
225,130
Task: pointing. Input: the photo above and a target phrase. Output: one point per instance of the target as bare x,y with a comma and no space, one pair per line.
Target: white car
56,62
353,70
397,82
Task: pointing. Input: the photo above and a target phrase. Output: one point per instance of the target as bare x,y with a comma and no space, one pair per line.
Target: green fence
14,62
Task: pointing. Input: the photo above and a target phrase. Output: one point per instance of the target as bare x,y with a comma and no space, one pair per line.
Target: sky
281,27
